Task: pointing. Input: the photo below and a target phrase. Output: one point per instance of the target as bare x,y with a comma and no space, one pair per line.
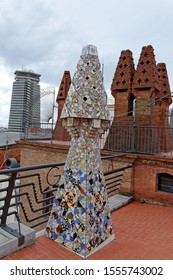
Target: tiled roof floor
143,232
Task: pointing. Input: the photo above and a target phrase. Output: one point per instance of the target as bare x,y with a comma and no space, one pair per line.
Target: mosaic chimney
80,219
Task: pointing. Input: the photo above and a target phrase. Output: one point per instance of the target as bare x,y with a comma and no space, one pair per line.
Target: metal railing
27,193
44,131
121,137
140,139
39,131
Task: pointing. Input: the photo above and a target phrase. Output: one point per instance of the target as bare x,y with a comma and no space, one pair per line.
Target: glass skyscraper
25,102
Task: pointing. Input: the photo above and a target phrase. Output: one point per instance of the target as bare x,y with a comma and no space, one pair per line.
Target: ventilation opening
131,105
165,182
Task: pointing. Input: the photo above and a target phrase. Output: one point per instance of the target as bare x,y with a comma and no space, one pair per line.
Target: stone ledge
9,243
118,201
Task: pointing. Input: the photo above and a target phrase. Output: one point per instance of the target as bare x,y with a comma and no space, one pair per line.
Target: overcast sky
47,36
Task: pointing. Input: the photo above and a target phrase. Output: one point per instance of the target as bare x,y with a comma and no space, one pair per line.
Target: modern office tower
25,102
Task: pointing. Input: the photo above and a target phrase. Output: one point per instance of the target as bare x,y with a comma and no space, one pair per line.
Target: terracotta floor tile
143,231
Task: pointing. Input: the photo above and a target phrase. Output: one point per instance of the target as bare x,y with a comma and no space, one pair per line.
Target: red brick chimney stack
142,99
122,84
59,132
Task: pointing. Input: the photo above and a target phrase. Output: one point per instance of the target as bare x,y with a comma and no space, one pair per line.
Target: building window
165,182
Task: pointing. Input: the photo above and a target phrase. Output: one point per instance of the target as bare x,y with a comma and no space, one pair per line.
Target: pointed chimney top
64,86
146,72
124,72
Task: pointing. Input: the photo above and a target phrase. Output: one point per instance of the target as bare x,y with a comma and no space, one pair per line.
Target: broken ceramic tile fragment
80,219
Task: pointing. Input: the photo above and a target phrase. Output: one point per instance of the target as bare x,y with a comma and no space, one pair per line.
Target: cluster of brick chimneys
142,95
148,85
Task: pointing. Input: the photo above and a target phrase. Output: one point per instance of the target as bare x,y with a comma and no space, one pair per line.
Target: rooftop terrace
143,232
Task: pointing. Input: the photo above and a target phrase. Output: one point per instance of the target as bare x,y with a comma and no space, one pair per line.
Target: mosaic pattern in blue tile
80,218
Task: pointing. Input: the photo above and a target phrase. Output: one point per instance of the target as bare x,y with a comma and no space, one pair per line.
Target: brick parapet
139,181
12,152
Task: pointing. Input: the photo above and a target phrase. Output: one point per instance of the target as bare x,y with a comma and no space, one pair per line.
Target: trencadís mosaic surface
80,219
87,97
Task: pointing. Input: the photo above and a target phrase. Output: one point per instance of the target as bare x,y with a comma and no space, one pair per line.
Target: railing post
4,226
8,198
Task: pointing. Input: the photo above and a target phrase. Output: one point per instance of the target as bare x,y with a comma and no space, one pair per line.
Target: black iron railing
39,131
114,178
27,193
140,139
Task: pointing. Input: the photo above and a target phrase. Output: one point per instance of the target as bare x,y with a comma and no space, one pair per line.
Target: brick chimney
59,133
142,99
122,86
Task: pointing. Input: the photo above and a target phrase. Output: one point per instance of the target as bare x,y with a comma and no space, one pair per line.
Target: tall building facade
25,102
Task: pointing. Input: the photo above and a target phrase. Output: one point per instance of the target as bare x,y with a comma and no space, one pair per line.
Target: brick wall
145,174
139,181
142,180
35,153
12,152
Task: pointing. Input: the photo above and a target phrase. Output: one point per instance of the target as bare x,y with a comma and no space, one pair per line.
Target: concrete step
118,201
9,243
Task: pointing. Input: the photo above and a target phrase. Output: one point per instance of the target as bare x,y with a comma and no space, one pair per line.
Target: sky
47,36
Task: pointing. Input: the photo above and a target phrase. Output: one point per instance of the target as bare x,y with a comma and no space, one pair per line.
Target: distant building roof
27,73
9,137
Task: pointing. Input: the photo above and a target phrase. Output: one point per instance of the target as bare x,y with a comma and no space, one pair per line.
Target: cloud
5,93
47,36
